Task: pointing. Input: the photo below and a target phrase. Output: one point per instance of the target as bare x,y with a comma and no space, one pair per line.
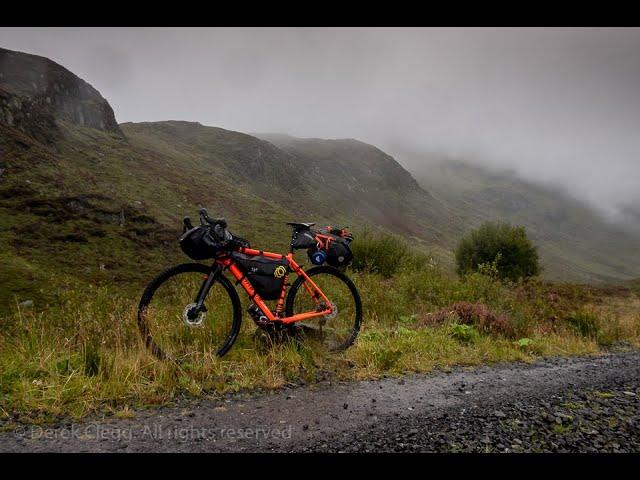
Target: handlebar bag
339,253
265,274
198,244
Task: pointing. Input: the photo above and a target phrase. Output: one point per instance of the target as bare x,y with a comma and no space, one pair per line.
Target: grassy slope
62,209
96,206
86,356
575,243
347,175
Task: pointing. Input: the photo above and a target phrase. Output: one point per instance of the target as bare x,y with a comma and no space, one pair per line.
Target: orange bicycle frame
278,316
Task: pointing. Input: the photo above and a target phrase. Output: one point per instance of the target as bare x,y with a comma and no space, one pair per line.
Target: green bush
505,247
379,253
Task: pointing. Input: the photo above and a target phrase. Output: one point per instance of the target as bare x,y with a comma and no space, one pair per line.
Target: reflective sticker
280,271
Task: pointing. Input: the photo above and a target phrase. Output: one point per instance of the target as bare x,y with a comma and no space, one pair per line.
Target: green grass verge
84,354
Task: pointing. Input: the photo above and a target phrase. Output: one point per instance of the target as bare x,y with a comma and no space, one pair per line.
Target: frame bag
265,274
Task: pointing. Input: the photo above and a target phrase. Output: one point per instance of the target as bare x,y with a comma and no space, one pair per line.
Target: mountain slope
83,199
347,175
575,242
35,92
89,200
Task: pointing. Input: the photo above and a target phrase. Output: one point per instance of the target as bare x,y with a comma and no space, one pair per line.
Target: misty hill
575,242
85,199
630,217
347,175
82,198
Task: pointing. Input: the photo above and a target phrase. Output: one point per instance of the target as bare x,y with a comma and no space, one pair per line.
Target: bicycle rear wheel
166,320
334,332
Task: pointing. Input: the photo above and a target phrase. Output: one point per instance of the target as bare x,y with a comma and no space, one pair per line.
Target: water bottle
318,257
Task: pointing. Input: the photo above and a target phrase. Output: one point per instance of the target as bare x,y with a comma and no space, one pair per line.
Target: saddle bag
334,242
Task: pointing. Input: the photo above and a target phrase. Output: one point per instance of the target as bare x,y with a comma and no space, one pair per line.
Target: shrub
476,314
378,253
506,247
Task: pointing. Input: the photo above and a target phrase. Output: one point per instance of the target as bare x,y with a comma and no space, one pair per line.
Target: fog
556,105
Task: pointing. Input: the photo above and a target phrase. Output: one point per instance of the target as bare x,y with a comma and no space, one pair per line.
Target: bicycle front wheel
334,332
168,325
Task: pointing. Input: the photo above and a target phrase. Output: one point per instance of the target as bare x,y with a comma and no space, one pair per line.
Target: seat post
293,233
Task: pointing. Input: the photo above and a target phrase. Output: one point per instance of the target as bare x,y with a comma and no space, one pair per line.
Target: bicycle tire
163,277
328,270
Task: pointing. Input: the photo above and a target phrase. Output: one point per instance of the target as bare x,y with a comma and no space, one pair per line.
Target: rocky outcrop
36,93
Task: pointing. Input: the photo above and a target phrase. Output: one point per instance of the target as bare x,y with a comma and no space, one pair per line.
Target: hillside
347,175
35,93
83,199
575,242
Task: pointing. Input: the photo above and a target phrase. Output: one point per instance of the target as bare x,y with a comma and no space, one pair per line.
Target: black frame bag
265,274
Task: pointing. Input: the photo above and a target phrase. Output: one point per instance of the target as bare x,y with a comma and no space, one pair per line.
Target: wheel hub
192,317
334,312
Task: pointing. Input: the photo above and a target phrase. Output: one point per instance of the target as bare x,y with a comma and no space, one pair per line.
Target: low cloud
559,106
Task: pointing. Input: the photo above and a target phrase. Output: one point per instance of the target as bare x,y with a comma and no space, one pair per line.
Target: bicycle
193,309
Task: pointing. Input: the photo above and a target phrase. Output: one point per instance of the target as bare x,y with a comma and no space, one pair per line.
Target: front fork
204,290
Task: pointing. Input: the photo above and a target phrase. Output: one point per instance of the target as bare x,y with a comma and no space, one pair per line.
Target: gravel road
581,404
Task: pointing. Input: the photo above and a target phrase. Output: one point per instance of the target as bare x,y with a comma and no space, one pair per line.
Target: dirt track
578,404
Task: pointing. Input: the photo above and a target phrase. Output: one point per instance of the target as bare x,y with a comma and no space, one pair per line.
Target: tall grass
85,355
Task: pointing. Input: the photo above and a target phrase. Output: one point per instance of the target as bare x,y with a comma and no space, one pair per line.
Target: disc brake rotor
196,321
334,312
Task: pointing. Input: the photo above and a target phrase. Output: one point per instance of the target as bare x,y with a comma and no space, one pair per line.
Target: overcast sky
559,105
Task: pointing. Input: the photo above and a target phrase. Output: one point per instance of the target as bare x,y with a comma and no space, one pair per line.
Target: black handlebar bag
337,247
198,244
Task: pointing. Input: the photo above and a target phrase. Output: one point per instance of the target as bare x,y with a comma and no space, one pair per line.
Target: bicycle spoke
333,331
176,331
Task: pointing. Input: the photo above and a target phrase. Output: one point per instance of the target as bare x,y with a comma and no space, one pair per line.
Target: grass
77,350
84,355
85,223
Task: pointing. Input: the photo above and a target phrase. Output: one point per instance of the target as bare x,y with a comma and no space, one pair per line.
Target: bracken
477,314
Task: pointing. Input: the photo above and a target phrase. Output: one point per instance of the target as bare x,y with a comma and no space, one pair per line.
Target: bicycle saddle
300,226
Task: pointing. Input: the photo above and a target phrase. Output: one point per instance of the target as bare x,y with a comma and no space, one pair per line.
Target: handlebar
219,226
217,229
205,219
